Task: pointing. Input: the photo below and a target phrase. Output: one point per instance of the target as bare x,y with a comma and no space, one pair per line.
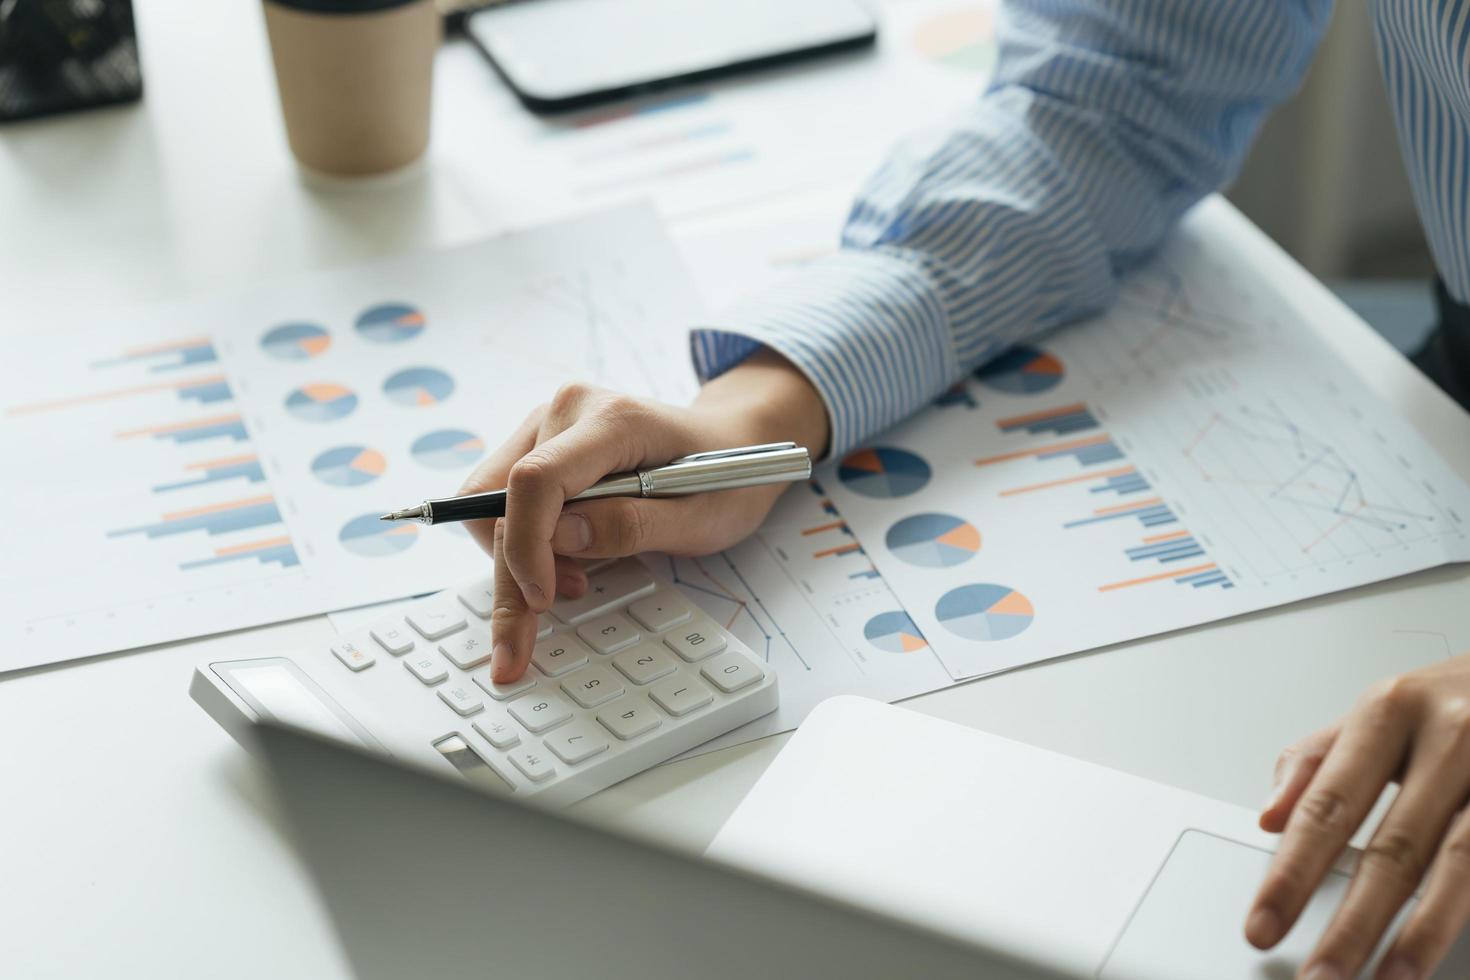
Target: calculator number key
645,663
576,742
681,695
426,667
353,655
661,611
540,712
608,634
436,621
629,719
730,672
559,654
697,639
535,763
592,686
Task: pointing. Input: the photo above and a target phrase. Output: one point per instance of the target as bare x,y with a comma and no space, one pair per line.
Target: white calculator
621,679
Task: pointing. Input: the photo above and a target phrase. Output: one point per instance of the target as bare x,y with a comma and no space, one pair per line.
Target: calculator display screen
280,694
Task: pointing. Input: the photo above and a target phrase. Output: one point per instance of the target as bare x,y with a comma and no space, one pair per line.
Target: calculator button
645,663
629,719
393,636
467,650
731,672
504,692
681,695
697,639
479,598
592,686
558,654
497,730
660,611
535,763
434,622
609,634
462,698
577,741
543,626
607,588
426,667
353,655
541,712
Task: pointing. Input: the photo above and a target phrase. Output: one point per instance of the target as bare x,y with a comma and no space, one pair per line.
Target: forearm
1105,122
772,399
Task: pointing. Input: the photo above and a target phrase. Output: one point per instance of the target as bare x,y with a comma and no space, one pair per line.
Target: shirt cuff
866,328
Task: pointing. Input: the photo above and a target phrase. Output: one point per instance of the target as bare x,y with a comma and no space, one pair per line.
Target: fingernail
1398,968
572,535
501,656
535,593
1323,971
1278,784
1263,928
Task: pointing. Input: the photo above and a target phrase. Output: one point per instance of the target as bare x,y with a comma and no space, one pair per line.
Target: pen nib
411,514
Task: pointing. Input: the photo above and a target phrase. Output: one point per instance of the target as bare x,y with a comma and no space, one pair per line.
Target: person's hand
585,433
1414,729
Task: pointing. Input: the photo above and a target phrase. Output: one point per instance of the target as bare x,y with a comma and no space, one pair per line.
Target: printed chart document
222,463
1197,453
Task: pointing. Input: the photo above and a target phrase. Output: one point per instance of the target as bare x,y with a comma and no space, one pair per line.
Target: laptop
427,876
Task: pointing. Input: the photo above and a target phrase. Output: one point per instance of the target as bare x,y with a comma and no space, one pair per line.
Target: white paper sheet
1197,453
221,463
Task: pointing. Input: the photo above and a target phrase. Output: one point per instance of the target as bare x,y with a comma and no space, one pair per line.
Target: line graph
716,582
1261,449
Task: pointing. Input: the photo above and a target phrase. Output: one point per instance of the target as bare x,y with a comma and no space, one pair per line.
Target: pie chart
984,612
1022,371
349,466
296,341
390,323
883,472
933,540
418,387
371,538
447,449
962,39
894,632
321,401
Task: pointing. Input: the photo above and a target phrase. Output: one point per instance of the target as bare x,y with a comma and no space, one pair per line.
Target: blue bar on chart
166,357
234,515
1122,484
246,467
202,391
278,550
206,391
1150,513
1165,548
1056,421
194,430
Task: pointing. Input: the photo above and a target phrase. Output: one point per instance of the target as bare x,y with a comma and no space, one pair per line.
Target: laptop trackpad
1190,921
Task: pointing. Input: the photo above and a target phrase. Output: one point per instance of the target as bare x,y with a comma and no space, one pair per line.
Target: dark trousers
1445,356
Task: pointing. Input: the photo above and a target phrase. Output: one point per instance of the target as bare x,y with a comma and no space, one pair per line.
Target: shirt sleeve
1104,122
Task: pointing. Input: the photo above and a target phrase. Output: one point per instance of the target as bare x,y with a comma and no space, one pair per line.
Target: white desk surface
136,839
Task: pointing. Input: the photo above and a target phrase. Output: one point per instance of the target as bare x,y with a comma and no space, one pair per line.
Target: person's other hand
1415,729
585,433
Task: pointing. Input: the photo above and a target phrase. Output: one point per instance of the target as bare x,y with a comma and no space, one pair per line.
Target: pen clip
769,447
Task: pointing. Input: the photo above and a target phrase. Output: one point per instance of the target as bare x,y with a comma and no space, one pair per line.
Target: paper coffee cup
355,78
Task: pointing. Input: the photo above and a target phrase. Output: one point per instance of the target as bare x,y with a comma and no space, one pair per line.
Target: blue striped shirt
1104,122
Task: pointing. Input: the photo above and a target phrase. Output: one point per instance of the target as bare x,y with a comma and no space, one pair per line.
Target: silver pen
721,469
